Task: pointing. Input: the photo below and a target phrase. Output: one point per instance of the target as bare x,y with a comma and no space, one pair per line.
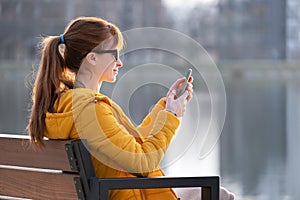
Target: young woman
67,104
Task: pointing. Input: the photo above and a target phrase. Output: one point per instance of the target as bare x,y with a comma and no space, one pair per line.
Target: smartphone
189,73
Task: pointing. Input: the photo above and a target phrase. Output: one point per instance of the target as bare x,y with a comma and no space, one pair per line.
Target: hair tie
62,39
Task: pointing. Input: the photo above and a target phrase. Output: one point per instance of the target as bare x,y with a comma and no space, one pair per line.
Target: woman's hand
175,104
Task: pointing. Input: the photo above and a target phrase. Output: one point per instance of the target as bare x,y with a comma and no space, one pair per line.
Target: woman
67,104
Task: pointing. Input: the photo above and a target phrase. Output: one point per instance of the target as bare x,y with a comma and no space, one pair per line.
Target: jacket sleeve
112,145
147,124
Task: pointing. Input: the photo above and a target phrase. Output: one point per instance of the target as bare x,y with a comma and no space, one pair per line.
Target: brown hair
80,37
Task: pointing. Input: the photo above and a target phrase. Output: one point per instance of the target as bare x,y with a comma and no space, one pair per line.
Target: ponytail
52,79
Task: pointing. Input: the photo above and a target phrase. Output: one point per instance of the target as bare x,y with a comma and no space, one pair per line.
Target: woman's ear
91,58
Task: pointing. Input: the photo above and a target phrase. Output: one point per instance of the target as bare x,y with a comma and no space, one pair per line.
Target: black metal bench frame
99,188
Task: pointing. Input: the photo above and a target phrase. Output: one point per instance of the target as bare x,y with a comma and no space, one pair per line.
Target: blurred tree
23,22
252,29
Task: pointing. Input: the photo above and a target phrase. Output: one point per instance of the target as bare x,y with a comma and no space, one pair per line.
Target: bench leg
205,193
104,192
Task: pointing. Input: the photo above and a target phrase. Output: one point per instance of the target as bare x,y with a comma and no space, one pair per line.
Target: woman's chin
112,80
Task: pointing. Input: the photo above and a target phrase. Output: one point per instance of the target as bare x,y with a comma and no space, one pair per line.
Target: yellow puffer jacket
83,113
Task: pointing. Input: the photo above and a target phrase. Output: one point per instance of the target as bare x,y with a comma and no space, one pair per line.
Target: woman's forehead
109,43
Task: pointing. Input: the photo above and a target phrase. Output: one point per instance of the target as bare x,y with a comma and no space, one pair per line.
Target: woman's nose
119,63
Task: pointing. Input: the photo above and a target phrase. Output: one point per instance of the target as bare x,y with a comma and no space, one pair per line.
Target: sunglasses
115,52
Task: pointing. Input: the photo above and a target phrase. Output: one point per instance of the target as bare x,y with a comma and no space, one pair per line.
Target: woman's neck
87,78
87,84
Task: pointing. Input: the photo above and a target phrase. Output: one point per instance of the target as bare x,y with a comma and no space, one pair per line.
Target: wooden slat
18,152
37,185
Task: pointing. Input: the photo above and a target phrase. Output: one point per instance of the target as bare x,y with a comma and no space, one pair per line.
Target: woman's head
82,36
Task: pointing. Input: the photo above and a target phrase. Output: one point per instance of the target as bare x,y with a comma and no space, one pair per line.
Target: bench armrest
100,187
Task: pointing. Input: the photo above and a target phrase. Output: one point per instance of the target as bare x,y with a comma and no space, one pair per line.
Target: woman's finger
175,85
189,97
189,87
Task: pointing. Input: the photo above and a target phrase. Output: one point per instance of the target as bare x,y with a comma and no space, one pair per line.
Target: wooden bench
64,170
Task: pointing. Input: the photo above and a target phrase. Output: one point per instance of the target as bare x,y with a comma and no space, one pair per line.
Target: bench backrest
36,174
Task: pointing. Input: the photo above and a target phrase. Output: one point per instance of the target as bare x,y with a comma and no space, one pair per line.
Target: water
257,152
